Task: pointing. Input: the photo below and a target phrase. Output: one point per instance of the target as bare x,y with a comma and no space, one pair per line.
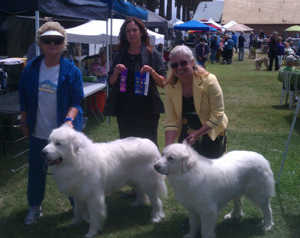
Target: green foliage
255,123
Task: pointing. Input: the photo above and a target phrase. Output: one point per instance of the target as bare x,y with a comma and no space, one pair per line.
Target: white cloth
46,116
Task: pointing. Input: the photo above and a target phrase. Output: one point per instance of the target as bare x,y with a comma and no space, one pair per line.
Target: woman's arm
170,137
72,113
24,125
117,70
158,79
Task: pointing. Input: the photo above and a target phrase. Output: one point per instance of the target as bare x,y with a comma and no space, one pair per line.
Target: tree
162,8
169,10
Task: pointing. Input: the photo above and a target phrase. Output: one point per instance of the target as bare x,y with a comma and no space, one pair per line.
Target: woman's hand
191,139
118,69
158,79
69,123
146,68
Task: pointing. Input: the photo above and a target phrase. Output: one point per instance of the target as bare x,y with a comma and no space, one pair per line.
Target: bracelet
23,123
68,119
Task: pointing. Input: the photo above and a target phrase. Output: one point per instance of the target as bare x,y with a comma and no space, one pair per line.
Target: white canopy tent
94,32
229,24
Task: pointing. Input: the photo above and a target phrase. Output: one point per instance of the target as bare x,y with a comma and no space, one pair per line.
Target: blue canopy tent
125,9
193,25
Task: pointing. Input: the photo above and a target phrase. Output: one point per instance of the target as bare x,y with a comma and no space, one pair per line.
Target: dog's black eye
170,158
57,143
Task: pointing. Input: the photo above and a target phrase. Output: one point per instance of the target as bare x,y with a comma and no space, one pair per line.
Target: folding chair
289,79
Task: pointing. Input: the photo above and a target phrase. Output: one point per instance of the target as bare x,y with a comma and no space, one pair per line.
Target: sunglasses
56,41
182,64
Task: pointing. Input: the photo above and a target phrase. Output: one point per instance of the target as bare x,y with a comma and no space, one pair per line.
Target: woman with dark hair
137,115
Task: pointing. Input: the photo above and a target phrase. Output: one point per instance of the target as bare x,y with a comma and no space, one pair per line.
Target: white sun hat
52,33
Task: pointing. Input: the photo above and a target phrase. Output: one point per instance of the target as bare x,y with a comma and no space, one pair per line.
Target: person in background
94,66
296,35
234,39
261,34
241,46
196,40
280,51
214,48
203,35
272,51
51,91
292,46
101,72
137,115
194,103
290,63
228,49
216,45
251,39
202,51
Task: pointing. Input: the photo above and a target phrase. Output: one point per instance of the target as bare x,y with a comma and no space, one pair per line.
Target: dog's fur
260,61
203,186
86,171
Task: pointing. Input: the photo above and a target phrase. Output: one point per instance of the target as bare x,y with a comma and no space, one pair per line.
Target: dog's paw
267,227
231,216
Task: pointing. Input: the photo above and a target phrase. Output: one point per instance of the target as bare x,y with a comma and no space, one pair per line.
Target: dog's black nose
44,153
156,167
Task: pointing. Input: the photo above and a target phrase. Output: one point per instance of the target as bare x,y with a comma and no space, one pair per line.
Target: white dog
203,185
86,171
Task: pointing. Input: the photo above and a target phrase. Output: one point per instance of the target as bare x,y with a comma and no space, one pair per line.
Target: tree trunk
169,10
178,10
162,8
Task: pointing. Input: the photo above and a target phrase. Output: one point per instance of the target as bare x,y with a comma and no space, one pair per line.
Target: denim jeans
213,55
241,53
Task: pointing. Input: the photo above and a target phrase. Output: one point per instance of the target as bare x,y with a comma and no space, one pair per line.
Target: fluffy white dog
87,171
203,185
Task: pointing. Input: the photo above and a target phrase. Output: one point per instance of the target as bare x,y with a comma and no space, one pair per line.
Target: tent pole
37,26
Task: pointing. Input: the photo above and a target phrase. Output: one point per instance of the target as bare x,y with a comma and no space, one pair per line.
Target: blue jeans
36,174
213,55
241,53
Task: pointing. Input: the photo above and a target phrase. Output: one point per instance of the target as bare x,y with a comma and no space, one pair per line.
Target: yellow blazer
208,101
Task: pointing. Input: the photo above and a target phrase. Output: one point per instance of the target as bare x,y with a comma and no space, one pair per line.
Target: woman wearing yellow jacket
194,106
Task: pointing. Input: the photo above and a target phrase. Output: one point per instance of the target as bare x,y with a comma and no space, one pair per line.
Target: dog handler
51,90
194,106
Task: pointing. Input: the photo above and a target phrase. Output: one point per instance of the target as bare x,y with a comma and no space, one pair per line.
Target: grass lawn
256,123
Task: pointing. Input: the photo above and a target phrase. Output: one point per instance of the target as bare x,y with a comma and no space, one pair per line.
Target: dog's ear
187,163
76,144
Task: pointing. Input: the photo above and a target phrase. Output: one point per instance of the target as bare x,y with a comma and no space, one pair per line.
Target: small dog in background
252,54
260,61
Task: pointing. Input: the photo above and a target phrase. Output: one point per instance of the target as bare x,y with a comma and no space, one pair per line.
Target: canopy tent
229,24
156,21
293,28
126,9
193,25
80,9
212,23
239,27
94,32
175,22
